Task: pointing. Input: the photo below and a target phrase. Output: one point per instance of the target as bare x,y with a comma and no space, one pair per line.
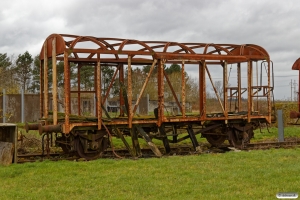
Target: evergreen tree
23,69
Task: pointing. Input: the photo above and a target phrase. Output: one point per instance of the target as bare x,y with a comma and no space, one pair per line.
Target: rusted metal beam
269,93
42,88
103,51
183,88
239,84
199,57
225,91
249,102
174,56
202,89
129,93
46,98
160,89
54,81
121,81
134,61
66,128
78,89
99,92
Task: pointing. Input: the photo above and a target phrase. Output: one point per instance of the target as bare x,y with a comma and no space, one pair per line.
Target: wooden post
148,140
135,142
193,138
165,138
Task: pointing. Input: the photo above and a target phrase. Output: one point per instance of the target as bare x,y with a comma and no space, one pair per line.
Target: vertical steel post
239,90
249,104
225,91
121,80
160,84
42,88
183,88
129,92
202,90
54,81
269,91
67,92
46,100
99,92
78,89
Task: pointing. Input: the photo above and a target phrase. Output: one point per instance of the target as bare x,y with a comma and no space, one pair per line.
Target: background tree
174,68
35,82
7,80
87,77
5,64
107,73
23,70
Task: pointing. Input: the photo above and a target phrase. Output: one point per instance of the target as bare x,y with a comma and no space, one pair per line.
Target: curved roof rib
151,49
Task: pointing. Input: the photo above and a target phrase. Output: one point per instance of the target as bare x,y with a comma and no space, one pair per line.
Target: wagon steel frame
119,52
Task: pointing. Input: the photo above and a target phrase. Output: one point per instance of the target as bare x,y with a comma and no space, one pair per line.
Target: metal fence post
280,126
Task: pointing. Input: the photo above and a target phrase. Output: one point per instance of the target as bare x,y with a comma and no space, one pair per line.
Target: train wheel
84,151
235,139
217,137
240,139
215,140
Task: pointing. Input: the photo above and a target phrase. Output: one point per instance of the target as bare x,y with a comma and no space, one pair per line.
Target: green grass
272,133
233,175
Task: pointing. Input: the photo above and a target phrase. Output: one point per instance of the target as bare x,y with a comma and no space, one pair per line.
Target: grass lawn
233,175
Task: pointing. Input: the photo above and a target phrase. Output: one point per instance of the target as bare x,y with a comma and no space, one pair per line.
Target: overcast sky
272,24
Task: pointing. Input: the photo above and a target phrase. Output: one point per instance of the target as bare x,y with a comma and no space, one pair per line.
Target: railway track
147,152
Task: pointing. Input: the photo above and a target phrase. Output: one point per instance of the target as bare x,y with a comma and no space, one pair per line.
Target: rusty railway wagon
89,137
